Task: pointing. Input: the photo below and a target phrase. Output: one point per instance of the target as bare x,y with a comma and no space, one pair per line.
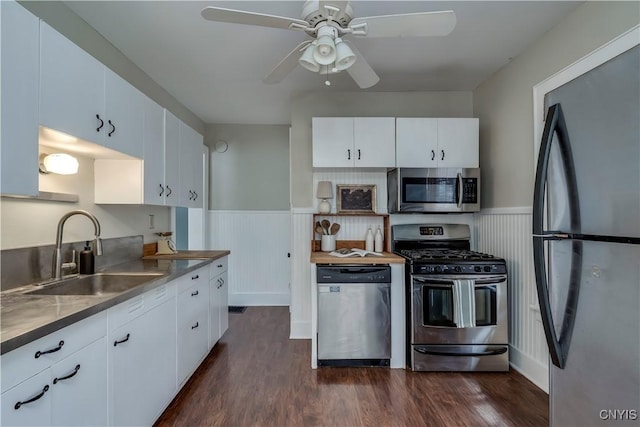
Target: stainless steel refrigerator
586,244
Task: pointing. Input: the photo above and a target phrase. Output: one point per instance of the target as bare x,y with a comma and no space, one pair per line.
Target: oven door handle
448,281
433,352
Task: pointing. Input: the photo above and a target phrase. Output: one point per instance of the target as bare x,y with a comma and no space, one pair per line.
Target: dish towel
464,303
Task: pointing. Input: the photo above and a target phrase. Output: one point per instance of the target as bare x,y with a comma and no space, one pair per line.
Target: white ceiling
216,69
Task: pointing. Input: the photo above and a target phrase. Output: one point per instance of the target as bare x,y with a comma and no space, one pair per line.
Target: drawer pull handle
115,343
196,325
33,399
72,374
193,294
101,123
53,350
113,128
197,276
219,265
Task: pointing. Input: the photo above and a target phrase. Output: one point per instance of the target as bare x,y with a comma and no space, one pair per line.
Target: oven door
459,310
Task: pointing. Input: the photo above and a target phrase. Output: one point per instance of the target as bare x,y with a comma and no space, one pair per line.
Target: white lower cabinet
193,322
218,300
79,387
28,403
59,379
142,364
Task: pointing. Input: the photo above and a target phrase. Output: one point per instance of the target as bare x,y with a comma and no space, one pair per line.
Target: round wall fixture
221,146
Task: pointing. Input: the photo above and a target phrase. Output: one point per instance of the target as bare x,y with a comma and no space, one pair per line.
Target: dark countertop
25,318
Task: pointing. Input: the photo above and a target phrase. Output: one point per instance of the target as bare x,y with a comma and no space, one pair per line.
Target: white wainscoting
259,241
507,233
301,273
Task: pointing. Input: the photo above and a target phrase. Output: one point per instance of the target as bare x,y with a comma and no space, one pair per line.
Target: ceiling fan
328,22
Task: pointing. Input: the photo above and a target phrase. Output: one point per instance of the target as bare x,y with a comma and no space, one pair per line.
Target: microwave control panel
469,190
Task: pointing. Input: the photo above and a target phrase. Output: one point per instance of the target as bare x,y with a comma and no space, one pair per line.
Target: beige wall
25,223
504,102
362,104
64,20
253,174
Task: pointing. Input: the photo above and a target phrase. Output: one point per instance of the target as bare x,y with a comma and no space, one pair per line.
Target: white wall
25,223
504,102
253,173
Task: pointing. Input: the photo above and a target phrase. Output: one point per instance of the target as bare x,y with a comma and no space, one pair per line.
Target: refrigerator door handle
558,346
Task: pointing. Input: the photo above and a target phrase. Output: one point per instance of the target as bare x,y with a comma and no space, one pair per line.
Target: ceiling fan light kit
327,21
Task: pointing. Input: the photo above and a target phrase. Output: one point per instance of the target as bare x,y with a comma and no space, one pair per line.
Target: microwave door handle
460,189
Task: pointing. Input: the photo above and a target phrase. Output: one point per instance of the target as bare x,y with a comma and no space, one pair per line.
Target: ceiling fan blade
361,72
219,14
423,24
286,65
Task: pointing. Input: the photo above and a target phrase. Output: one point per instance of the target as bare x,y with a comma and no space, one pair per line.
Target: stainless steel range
457,318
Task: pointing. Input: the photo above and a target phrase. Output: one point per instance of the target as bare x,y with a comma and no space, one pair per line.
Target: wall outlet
151,222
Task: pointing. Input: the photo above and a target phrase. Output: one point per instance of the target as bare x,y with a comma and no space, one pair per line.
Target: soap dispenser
87,261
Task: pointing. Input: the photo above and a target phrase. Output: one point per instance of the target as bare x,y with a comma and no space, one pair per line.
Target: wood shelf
386,233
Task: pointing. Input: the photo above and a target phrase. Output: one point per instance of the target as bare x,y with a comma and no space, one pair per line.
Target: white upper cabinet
190,167
20,47
153,153
81,97
353,142
71,88
437,142
458,143
171,159
124,113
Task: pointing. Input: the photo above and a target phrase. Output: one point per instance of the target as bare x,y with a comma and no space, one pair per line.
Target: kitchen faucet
57,253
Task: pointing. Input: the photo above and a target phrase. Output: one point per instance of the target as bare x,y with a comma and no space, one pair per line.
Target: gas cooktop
443,255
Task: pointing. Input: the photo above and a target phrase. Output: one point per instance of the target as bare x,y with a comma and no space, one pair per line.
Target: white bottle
368,245
378,240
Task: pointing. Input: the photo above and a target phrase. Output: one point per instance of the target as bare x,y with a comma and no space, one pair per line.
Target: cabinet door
332,142
458,143
124,112
71,88
171,159
79,387
223,299
416,142
35,413
20,58
190,163
142,369
374,142
193,324
214,310
153,144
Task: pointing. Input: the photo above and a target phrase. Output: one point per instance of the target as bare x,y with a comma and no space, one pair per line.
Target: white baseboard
300,330
533,370
259,299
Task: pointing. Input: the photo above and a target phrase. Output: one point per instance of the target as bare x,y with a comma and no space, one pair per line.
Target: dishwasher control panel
354,274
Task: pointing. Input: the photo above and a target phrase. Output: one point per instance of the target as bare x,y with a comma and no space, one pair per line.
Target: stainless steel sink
96,284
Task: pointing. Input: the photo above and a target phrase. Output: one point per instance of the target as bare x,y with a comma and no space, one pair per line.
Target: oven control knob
457,269
487,268
438,269
477,269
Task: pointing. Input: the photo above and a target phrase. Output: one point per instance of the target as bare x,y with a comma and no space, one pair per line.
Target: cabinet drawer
38,355
193,299
192,337
219,266
194,279
35,413
128,310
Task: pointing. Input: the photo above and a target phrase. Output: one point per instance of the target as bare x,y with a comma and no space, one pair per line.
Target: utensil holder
328,243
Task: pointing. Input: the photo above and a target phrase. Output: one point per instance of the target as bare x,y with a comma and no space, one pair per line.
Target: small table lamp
325,191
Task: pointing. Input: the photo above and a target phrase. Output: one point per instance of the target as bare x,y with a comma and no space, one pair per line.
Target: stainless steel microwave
431,190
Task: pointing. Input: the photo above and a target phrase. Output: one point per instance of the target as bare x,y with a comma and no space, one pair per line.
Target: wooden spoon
335,227
319,228
326,225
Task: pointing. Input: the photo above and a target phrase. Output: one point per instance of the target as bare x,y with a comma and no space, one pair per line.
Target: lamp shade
60,163
307,61
325,51
325,190
344,55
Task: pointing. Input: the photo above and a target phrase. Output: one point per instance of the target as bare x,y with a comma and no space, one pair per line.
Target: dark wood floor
256,376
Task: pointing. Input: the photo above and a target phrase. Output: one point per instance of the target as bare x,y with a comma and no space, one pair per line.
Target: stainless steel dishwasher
354,315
